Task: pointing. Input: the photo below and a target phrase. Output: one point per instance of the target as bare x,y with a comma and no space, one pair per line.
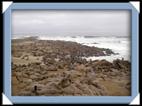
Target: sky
71,22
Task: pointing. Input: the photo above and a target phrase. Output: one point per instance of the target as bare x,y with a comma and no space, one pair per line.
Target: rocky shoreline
56,68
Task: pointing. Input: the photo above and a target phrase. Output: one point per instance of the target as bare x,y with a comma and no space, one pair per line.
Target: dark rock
51,68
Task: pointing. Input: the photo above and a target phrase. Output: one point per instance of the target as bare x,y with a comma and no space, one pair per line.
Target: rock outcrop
62,70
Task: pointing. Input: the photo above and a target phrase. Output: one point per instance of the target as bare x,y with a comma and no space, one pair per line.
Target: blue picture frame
71,99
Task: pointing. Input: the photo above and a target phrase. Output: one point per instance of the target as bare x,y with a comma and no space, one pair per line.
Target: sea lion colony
56,68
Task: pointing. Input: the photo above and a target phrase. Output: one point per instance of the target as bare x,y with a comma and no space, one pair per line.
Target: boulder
27,81
51,68
14,80
50,89
33,77
72,90
25,93
65,81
